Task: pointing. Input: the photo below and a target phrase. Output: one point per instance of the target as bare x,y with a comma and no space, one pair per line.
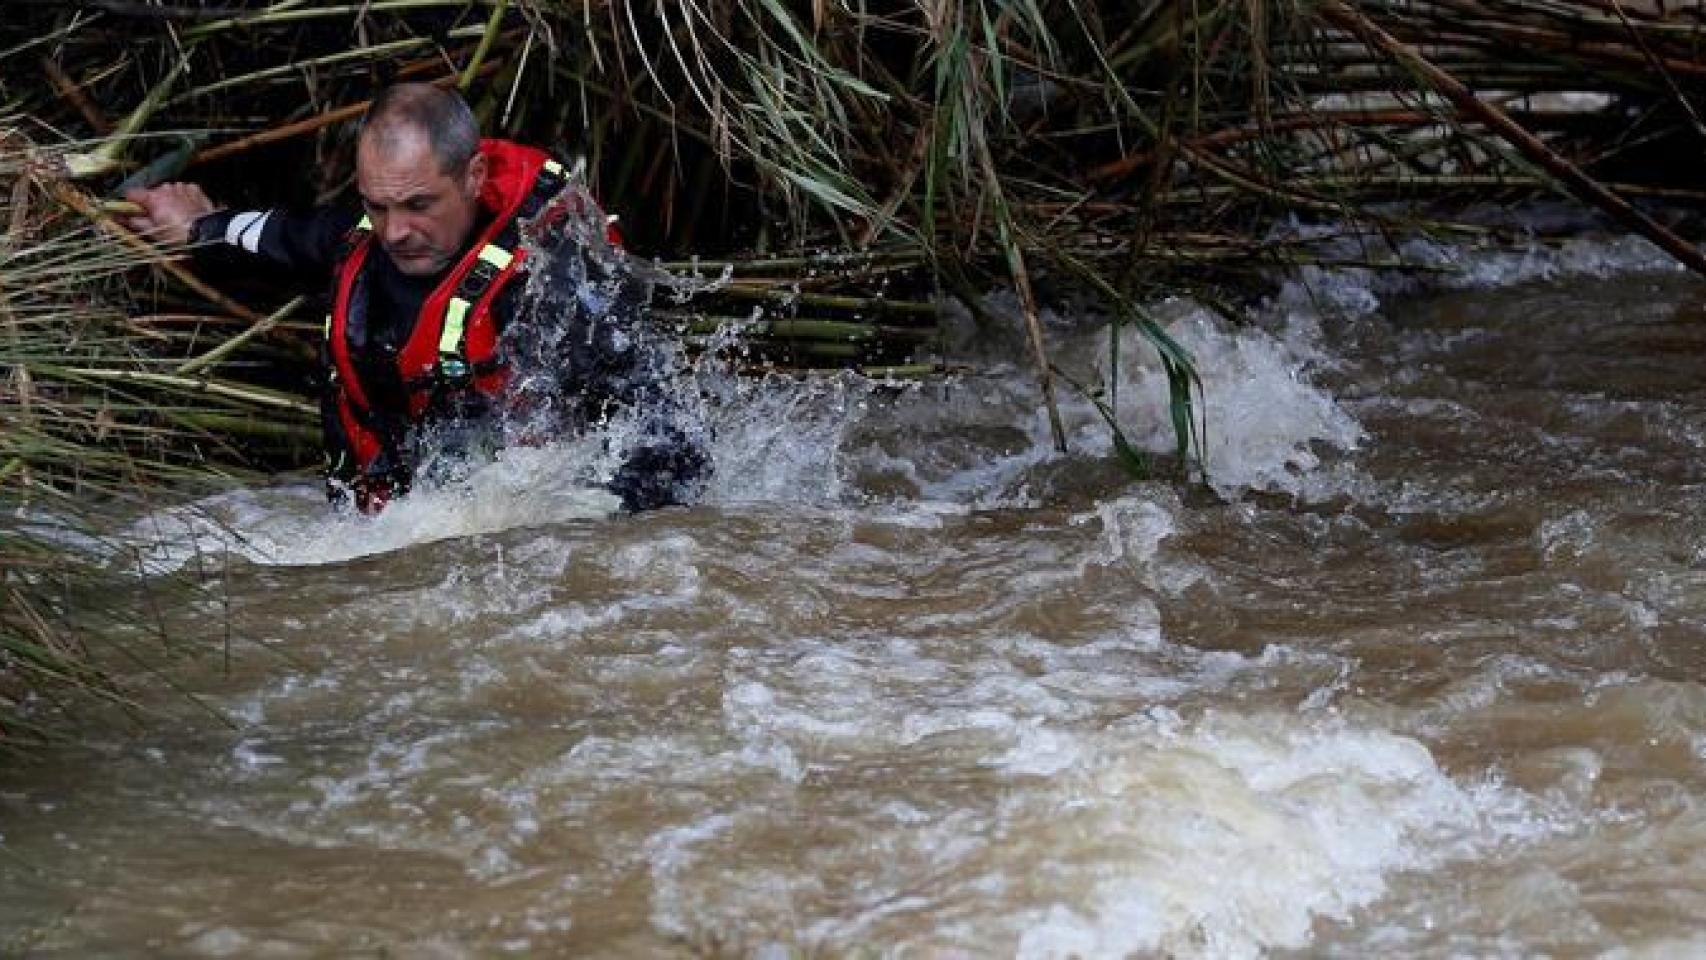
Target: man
430,341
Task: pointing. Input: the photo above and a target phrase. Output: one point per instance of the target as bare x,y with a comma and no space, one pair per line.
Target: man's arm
180,213
584,328
664,451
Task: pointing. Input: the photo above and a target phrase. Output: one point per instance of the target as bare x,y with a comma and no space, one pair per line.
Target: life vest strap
492,261
494,258
352,239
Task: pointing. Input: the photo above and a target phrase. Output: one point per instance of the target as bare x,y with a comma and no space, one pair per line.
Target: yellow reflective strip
455,319
496,256
553,166
328,328
365,224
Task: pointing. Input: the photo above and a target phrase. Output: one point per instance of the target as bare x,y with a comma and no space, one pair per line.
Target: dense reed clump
99,420
847,164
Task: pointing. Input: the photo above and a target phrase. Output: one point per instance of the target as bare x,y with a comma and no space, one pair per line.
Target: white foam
780,439
1582,255
669,852
1262,419
1685,947
522,486
1359,291
1229,836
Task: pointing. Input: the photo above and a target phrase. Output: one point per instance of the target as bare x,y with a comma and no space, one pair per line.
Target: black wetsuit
581,355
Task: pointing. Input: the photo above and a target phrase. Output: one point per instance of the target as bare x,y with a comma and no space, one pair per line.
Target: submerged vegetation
848,164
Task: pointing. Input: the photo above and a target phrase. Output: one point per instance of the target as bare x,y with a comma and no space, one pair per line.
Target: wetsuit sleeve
586,327
633,376
305,242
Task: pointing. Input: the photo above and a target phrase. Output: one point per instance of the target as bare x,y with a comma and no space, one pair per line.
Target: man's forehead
397,165
395,138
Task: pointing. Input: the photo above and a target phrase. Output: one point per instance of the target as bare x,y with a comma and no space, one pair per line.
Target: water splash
978,441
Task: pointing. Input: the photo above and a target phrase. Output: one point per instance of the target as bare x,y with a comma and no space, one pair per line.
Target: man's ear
474,179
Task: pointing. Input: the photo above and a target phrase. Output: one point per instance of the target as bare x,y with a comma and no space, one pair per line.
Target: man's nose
394,229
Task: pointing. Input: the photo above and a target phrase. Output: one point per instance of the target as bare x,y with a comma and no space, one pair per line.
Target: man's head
419,171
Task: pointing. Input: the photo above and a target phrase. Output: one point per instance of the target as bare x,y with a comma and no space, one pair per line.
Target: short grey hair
440,114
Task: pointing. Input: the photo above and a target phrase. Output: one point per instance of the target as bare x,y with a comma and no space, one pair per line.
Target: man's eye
417,205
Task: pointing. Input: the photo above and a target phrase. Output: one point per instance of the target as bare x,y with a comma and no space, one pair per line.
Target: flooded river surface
1421,676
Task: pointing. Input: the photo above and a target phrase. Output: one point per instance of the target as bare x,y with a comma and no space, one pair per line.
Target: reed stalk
106,156
358,55
838,330
778,292
192,385
228,347
487,36
295,11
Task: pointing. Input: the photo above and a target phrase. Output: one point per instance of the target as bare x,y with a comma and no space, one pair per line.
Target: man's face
422,215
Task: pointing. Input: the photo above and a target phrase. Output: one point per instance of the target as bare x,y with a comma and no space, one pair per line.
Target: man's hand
168,211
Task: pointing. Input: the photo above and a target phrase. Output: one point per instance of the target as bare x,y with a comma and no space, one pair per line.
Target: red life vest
454,339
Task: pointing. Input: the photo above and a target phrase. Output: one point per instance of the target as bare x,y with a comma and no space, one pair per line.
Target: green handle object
163,168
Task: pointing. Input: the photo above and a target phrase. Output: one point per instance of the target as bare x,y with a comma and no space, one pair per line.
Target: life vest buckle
480,276
454,371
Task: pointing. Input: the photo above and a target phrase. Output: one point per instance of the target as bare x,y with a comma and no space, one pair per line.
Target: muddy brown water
1422,679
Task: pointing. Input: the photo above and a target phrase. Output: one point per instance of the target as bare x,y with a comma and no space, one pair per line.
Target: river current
1420,673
